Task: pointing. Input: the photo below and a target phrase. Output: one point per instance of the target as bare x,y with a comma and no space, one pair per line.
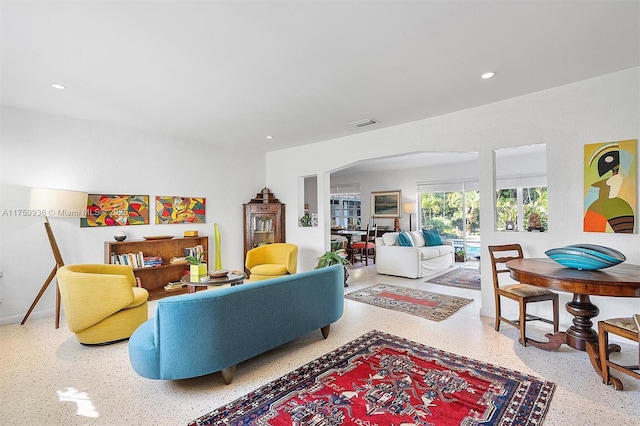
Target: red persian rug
381,379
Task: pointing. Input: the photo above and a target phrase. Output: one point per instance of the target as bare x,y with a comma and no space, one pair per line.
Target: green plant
196,260
337,257
460,253
305,220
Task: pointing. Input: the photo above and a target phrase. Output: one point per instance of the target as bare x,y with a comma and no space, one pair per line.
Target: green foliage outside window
534,200
443,212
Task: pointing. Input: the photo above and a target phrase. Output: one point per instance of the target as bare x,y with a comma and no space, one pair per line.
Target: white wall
565,118
49,151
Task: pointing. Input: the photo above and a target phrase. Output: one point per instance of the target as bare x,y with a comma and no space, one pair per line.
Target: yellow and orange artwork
610,181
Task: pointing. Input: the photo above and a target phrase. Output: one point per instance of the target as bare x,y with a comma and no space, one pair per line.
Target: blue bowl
589,257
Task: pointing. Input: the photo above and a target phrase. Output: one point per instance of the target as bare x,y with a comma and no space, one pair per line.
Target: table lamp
410,209
55,203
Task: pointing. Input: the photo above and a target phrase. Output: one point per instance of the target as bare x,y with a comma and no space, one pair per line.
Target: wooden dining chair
521,293
367,246
629,328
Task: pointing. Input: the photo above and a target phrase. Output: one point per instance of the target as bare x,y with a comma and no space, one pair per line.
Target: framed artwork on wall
610,187
173,209
116,210
386,203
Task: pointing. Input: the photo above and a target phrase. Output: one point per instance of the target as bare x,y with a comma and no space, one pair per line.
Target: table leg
580,333
349,249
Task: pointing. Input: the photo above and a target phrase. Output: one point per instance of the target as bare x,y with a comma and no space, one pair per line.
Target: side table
233,278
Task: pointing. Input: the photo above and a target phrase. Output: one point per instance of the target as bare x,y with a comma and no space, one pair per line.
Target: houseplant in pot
335,257
459,255
198,265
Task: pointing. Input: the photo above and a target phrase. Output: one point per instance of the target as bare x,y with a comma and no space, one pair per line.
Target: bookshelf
155,278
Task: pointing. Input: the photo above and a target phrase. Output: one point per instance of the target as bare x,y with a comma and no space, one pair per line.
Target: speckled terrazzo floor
48,378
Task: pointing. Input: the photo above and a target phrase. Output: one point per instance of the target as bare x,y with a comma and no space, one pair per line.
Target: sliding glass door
453,210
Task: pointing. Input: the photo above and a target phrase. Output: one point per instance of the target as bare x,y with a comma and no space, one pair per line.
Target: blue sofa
200,333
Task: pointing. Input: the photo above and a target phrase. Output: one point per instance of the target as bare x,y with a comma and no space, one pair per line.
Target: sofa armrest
447,242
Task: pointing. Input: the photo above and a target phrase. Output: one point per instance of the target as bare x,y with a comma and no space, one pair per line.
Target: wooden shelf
156,277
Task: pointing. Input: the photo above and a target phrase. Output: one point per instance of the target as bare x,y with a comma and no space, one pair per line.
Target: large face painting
610,187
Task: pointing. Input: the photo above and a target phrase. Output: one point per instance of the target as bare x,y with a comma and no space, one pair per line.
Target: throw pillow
418,238
405,239
390,238
432,238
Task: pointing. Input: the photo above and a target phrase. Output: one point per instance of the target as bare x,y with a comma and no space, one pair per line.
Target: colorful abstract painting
116,210
610,182
172,209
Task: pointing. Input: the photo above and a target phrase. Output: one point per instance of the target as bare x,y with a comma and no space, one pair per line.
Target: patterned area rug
425,304
459,277
381,379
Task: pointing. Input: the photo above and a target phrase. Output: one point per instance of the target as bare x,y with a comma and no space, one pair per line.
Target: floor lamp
410,209
55,203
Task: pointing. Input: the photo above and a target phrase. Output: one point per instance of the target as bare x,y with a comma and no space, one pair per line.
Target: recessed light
269,137
58,86
487,75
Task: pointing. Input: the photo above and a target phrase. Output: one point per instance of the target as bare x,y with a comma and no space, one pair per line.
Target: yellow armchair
272,260
101,302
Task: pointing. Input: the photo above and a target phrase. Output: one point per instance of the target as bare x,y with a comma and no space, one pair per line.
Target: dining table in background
348,234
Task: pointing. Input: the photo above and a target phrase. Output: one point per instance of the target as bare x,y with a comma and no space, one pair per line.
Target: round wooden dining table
622,280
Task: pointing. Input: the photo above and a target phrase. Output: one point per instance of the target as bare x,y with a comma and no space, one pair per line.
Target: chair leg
498,313
556,314
523,323
603,343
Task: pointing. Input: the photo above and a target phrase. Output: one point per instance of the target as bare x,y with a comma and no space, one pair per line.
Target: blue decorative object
586,256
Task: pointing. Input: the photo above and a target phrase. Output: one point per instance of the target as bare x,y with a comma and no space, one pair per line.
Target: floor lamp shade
58,202
410,209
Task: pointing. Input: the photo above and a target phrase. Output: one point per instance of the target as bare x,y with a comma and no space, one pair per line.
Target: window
514,207
521,188
452,209
345,206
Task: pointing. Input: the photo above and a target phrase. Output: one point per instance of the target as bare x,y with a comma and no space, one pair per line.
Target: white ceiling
301,71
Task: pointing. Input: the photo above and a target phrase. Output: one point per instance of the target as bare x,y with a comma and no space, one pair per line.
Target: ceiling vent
364,123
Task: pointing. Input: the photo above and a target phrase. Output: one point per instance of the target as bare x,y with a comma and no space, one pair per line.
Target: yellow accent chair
101,302
272,260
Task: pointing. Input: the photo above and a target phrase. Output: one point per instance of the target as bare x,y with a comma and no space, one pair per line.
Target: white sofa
411,262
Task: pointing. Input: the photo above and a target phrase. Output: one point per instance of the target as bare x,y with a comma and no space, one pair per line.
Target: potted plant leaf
198,265
460,255
335,257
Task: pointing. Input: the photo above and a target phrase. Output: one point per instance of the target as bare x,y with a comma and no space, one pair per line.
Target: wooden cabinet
155,278
264,218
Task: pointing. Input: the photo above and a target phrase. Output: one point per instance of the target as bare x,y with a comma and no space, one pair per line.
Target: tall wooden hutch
264,218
